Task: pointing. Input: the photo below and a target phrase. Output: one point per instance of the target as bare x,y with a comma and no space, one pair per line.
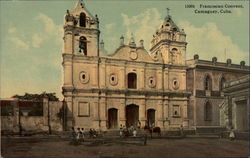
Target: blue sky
31,35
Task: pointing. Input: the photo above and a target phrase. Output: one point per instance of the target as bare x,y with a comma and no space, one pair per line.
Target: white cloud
12,30
20,43
51,29
37,40
143,25
209,41
49,24
110,27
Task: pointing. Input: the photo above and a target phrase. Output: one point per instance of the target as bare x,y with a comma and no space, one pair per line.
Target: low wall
51,119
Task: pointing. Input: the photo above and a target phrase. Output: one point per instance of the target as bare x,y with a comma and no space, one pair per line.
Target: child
134,133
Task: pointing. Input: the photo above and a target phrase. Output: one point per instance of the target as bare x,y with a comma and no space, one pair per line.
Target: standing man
138,124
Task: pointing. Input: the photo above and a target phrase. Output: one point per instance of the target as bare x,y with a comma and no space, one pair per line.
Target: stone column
69,113
185,116
142,112
122,112
123,78
103,113
141,79
160,114
159,79
67,64
68,42
94,76
102,75
165,79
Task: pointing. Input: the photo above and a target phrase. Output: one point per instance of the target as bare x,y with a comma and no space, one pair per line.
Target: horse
153,130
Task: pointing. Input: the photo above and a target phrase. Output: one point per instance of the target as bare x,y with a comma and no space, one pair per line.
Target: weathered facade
158,87
235,111
205,79
20,116
103,91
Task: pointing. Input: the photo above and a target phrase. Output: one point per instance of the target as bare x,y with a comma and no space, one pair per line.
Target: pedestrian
134,133
90,133
94,133
181,131
138,124
153,125
82,135
232,134
131,129
73,135
78,135
121,131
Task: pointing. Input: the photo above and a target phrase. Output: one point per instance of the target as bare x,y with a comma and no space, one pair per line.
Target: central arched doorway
151,117
132,115
112,118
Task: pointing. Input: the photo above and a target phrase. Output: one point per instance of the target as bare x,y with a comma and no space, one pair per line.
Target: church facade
130,85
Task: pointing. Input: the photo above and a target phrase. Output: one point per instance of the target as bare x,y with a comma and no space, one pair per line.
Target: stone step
209,136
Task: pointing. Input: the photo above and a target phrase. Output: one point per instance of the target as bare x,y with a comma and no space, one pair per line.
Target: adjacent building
234,111
205,79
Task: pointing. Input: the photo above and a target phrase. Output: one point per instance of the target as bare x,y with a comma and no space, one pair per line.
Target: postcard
124,79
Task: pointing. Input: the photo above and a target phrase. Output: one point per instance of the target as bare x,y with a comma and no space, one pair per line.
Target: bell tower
81,31
170,42
81,44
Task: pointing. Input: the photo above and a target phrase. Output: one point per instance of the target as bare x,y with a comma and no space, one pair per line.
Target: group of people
129,130
93,133
77,135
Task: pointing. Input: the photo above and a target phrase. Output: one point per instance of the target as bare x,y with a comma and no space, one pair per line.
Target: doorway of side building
151,117
242,119
112,118
132,115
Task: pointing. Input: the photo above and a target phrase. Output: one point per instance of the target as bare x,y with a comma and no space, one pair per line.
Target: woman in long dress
232,134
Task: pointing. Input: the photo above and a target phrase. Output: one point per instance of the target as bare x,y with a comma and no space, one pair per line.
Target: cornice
131,92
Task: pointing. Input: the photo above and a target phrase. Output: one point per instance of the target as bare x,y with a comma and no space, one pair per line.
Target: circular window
113,79
151,82
84,77
176,83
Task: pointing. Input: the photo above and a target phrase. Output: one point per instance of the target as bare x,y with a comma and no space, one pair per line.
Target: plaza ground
49,147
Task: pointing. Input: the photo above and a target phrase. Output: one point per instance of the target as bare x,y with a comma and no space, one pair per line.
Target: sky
32,35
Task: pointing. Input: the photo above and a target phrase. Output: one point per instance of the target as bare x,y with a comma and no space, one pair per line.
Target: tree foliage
37,97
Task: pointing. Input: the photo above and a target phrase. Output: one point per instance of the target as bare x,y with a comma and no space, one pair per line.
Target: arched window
208,83
132,80
174,55
82,22
222,81
83,45
208,111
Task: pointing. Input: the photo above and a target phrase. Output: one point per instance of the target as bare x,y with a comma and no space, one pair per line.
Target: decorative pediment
135,54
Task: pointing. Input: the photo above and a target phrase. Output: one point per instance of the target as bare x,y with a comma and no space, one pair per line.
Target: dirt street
30,147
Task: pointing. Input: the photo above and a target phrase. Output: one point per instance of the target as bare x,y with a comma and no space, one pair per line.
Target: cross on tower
168,10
